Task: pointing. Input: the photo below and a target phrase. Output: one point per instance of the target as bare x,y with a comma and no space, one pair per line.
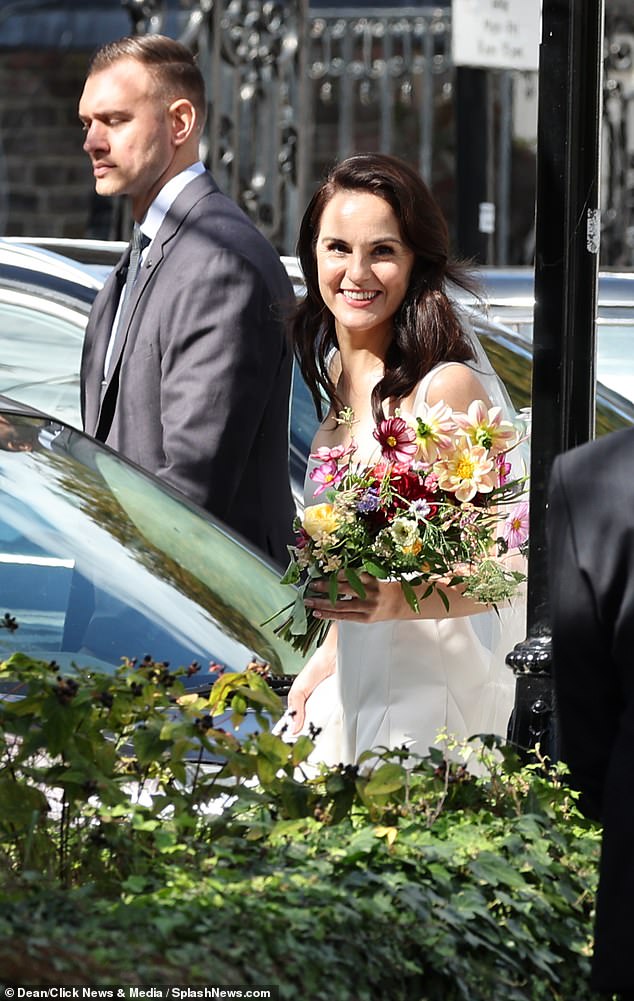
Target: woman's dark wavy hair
426,327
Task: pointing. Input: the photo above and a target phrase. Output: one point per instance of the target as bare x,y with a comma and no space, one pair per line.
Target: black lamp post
566,275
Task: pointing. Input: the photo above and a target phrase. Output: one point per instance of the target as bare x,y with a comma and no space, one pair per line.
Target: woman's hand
385,600
319,667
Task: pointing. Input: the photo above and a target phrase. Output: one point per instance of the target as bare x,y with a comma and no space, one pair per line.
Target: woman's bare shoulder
457,385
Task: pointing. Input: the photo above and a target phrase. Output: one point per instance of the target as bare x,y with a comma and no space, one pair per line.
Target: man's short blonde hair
172,65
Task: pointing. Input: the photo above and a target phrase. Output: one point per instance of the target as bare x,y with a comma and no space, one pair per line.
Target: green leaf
135,884
493,870
295,799
19,803
148,745
239,705
355,581
274,748
292,574
333,585
410,596
301,749
299,623
267,770
376,569
58,725
387,778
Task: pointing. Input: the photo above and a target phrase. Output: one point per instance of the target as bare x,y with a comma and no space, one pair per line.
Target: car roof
95,257
27,256
515,287
24,267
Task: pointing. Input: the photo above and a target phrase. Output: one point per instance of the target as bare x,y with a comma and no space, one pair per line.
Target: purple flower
369,501
420,508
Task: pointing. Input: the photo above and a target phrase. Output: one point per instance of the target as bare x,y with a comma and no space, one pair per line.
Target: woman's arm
319,667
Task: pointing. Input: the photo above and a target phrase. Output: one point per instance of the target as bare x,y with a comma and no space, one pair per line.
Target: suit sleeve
224,356
582,674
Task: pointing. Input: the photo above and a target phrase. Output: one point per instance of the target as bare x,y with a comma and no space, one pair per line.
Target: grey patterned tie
137,245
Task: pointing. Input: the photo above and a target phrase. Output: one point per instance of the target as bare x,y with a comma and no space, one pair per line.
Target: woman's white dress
401,682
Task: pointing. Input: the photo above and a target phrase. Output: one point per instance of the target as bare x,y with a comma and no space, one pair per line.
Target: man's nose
95,138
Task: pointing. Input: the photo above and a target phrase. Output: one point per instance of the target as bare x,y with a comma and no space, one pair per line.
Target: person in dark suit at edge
186,369
591,568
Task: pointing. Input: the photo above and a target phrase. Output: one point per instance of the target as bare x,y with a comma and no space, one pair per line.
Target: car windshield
99,561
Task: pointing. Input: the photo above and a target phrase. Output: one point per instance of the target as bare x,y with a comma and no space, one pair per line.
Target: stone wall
46,186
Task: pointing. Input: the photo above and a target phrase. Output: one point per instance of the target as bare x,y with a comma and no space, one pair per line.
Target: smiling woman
364,269
378,334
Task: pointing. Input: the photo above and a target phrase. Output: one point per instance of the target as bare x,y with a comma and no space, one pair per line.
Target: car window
303,427
99,561
40,352
615,354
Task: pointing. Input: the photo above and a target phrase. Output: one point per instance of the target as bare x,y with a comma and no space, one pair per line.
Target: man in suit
591,557
185,369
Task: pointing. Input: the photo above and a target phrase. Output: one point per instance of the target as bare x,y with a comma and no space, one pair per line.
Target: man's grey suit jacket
198,386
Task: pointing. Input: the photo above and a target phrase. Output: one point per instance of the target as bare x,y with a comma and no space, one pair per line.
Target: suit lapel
96,344
201,186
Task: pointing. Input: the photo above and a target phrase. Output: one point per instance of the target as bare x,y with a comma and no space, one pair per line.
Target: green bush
428,882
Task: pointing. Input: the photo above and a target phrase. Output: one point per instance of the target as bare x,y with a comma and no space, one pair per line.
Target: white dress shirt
150,225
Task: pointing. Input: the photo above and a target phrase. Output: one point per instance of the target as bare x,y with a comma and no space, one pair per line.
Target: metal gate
293,88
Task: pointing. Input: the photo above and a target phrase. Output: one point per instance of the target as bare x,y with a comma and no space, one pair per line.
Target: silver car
45,299
100,560
510,301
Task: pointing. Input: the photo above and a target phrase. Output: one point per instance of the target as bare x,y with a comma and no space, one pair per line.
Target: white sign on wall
496,34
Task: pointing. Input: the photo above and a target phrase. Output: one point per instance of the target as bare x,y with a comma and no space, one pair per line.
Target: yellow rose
320,520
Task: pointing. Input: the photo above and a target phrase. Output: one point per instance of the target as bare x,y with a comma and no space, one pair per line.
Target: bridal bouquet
431,509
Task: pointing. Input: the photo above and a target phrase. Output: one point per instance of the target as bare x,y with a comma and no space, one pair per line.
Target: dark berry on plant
9,622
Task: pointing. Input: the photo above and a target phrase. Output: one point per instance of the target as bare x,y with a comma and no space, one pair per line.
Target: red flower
397,439
406,484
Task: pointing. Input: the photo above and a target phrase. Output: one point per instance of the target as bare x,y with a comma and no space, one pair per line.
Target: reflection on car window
235,584
41,354
95,567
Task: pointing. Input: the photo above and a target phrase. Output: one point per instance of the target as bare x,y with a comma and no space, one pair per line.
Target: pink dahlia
484,426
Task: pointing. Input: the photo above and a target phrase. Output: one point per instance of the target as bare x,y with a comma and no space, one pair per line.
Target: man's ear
184,119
